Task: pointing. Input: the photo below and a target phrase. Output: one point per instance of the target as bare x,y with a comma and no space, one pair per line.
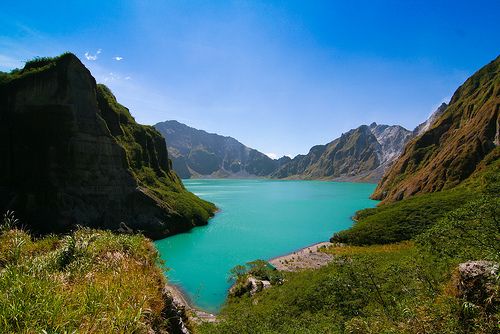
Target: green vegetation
38,64
401,220
398,288
86,282
408,218
258,269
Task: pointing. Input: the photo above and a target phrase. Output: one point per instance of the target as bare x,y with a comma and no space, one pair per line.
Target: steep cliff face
196,153
72,155
452,147
361,154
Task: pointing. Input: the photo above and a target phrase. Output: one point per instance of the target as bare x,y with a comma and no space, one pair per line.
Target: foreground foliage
84,282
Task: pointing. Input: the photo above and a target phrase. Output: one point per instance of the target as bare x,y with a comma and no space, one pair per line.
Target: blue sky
280,76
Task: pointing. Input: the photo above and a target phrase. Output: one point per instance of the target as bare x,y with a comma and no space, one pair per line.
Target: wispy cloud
92,57
117,58
112,76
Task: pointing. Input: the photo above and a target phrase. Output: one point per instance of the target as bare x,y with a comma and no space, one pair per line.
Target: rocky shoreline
182,301
305,258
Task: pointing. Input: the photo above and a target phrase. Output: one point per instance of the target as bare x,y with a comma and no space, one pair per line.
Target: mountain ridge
197,153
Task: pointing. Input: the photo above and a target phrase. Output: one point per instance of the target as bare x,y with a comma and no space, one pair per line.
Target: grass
401,220
36,65
359,293
86,282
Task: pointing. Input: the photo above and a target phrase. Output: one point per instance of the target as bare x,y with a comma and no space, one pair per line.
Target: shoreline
200,315
316,244
304,258
181,298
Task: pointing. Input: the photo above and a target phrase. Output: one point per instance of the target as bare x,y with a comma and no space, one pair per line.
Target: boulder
477,282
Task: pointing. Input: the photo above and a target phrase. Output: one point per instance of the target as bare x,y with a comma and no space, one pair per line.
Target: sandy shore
305,258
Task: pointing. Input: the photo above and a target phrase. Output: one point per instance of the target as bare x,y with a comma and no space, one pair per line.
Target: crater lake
257,219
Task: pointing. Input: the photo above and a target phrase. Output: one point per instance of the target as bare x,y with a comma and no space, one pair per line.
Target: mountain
453,145
361,154
72,155
196,153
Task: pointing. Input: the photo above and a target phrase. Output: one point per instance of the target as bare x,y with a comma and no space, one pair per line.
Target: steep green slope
405,219
453,160
454,145
71,155
148,158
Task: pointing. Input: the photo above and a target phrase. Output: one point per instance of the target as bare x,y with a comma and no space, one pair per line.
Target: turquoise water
258,219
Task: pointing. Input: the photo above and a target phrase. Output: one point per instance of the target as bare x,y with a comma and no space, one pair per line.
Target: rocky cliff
71,155
361,154
196,153
453,146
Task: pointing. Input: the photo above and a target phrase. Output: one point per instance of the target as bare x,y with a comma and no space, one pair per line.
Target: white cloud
92,57
117,58
271,155
127,78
